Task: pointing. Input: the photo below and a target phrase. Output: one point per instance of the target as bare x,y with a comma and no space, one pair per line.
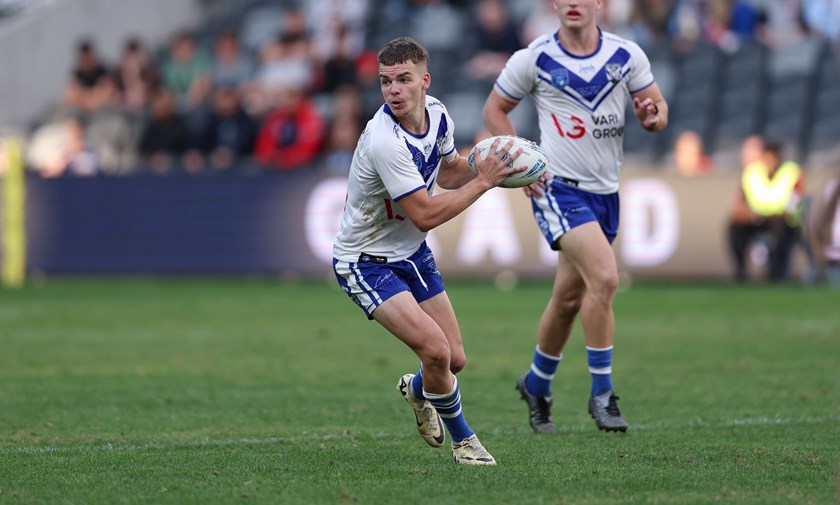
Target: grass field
200,391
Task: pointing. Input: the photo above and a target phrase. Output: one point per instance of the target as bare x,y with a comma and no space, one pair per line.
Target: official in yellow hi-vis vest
766,207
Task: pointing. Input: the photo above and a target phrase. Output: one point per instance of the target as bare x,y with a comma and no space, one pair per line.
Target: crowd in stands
289,85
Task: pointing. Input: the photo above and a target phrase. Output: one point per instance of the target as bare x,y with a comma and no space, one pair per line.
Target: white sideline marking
109,447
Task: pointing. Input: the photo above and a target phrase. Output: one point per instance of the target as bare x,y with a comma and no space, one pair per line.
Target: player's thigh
439,308
588,250
405,319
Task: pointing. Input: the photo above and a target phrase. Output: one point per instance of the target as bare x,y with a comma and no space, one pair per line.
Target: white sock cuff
601,371
433,396
599,349
548,356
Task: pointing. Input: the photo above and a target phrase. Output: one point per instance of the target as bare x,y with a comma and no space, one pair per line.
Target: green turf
198,391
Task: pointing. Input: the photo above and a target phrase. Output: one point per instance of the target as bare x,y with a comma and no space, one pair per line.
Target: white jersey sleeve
518,77
640,76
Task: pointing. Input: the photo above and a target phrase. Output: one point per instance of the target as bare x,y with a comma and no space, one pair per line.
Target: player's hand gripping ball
532,156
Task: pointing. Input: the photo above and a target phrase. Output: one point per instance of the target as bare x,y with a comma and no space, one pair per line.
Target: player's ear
427,81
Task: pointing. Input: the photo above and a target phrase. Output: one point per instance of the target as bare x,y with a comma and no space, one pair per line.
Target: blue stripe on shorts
563,207
370,284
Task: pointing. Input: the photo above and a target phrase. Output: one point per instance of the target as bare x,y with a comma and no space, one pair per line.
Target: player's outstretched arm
651,108
428,212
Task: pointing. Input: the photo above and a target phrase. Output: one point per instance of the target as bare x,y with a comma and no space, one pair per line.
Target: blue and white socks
544,366
600,367
538,380
448,405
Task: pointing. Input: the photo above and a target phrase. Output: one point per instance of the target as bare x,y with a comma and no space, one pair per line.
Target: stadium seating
791,94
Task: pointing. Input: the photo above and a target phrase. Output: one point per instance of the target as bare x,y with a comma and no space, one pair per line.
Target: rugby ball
532,156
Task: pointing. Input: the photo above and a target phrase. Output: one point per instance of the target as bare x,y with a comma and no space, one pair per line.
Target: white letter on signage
650,223
323,216
489,228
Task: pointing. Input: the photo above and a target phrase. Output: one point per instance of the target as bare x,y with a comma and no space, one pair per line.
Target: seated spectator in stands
823,16
690,156
228,136
90,87
285,62
135,77
73,156
497,37
185,73
744,20
291,135
165,137
230,67
340,68
765,205
330,21
113,135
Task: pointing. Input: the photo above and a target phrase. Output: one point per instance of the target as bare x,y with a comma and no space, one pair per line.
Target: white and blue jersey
581,103
389,164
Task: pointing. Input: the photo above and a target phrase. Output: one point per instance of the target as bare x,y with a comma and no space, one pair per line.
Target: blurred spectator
340,68
185,73
765,206
652,19
71,155
823,16
497,40
694,21
541,19
617,17
114,138
90,87
230,67
135,77
291,135
285,62
744,20
228,135
337,26
166,136
690,156
781,23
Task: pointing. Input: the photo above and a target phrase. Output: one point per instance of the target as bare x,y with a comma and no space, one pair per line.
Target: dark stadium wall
283,224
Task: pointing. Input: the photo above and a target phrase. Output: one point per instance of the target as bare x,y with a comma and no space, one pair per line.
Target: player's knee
605,284
457,363
436,355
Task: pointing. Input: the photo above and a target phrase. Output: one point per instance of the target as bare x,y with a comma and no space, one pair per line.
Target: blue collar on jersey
428,122
557,40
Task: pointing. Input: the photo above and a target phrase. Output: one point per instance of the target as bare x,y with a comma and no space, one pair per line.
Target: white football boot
470,452
429,423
